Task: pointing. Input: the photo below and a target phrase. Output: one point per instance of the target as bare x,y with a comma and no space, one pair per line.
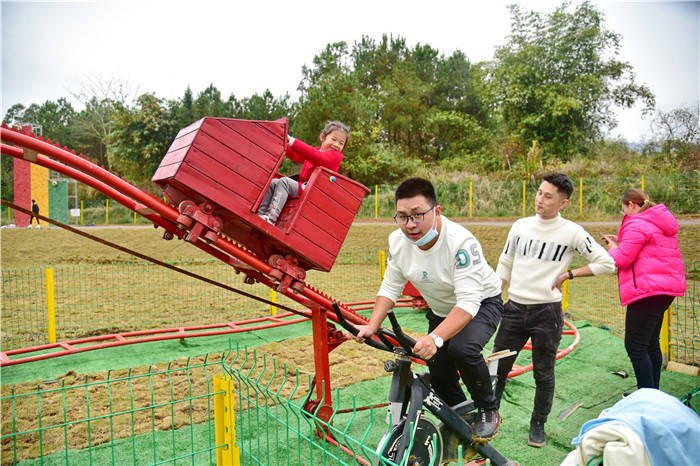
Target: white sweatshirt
453,272
538,250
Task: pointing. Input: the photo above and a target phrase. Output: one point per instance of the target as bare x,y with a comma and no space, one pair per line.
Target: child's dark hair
562,182
638,197
414,187
337,125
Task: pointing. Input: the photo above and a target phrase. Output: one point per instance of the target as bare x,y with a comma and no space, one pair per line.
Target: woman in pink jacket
650,274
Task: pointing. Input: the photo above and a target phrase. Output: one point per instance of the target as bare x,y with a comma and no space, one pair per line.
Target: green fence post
580,196
524,196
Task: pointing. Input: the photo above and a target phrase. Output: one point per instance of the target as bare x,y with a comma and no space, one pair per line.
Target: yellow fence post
107,212
382,264
580,195
665,337
51,305
376,201
524,196
642,182
273,298
134,216
227,452
81,212
471,192
565,296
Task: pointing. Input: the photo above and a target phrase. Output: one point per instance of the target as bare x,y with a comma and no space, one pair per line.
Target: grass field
40,247
98,289
105,286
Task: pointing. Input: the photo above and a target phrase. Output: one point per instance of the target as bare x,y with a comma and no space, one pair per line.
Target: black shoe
486,425
537,438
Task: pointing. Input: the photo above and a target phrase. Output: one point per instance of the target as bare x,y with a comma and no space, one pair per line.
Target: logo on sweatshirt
462,259
424,276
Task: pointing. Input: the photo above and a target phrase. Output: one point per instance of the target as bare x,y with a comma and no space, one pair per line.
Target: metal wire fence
480,197
159,415
476,197
114,298
166,414
176,414
120,297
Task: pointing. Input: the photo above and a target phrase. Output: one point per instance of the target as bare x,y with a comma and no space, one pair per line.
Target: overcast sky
50,49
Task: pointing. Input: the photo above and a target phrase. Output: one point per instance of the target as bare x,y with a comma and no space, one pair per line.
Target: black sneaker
537,438
486,425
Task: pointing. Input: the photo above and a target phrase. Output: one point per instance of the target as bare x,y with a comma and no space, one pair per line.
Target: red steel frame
28,147
36,150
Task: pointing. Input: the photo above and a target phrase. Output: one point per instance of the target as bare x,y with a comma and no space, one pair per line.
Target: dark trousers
642,328
462,353
543,323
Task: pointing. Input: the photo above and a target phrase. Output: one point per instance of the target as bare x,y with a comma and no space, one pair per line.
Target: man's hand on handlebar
364,331
425,347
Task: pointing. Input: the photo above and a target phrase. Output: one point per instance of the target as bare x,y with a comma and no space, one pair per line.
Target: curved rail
82,345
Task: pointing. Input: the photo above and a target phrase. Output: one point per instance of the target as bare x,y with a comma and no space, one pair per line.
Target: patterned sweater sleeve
599,261
505,261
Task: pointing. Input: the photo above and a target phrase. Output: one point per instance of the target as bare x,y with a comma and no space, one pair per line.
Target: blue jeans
462,353
642,328
543,323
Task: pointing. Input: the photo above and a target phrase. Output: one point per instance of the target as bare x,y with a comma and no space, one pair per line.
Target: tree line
547,96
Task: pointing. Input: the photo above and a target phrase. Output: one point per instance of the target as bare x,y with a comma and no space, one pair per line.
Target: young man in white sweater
445,262
534,261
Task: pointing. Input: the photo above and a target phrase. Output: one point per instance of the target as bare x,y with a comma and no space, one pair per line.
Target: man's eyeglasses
415,218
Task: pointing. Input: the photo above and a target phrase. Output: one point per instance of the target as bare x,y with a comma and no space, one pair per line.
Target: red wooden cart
217,171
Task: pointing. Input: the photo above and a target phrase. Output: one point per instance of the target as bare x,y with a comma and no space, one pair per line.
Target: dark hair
414,187
562,182
33,200
336,126
639,197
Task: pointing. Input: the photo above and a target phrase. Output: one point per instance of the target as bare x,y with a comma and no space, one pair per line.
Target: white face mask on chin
427,237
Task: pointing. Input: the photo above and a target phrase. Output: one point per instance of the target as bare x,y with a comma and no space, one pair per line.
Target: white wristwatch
438,341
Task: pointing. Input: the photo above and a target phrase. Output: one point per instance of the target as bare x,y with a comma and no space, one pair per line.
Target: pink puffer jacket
648,259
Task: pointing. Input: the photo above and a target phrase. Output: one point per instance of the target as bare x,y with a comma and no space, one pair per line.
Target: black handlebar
406,342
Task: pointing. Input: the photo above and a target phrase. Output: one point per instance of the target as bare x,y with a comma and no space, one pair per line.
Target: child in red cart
333,139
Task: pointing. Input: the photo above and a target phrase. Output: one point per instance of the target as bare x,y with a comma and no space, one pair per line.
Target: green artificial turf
584,376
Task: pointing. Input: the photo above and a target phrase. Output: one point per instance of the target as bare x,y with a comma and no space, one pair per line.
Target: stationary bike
411,432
